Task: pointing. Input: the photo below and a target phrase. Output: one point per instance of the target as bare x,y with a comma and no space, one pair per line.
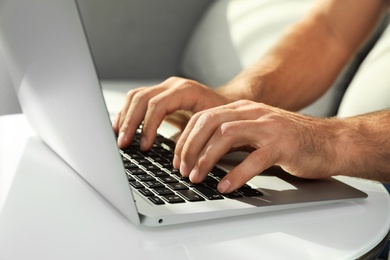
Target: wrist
362,147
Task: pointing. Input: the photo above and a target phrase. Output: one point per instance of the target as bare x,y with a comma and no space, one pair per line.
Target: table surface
48,212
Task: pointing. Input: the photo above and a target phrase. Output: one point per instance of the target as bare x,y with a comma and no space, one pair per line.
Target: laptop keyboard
152,175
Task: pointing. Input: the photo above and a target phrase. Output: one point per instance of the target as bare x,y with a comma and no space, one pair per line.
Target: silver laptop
49,60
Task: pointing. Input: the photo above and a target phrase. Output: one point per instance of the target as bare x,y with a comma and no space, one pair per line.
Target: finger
200,129
235,134
126,105
196,135
180,141
134,110
122,139
165,103
227,137
218,145
115,122
255,163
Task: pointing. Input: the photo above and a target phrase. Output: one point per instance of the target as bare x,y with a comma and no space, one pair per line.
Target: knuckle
130,94
196,116
228,129
154,102
186,82
141,93
137,96
197,120
243,102
206,117
172,78
133,92
177,82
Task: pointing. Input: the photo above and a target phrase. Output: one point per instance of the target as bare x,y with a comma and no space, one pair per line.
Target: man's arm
310,56
293,74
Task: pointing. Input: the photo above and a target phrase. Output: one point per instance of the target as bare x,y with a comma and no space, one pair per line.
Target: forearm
363,146
290,76
309,57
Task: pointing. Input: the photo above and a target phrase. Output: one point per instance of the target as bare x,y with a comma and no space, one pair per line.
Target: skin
152,104
252,112
304,146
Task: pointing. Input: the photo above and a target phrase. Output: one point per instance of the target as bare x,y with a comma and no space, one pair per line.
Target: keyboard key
145,177
187,181
166,164
136,184
130,165
168,179
137,171
144,162
212,185
156,200
175,172
178,186
124,159
159,160
158,149
146,192
191,195
154,184
245,186
130,178
151,167
209,193
216,171
135,156
132,153
149,153
163,191
159,173
209,179
250,192
233,195
173,199
168,156
168,142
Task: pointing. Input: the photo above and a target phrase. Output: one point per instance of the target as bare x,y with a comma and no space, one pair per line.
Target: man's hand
299,144
150,105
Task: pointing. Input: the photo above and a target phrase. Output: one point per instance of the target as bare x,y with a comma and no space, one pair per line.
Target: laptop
52,69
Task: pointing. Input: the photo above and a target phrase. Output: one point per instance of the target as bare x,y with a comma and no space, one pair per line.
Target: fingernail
224,186
194,174
143,143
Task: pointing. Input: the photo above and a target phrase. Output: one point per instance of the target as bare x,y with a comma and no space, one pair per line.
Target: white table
48,212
